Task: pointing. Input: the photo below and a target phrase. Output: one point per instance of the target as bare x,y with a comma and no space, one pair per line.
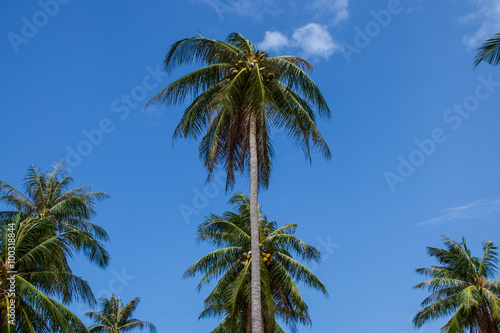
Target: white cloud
485,18
336,10
479,209
273,40
312,39
315,40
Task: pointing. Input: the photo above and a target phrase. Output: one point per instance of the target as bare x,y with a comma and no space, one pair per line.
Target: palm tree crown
114,317
279,270
462,287
39,271
48,196
238,84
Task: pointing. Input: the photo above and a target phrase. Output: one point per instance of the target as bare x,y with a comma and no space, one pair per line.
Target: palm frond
489,51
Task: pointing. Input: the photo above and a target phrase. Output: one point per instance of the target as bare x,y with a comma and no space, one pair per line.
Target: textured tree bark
254,223
486,322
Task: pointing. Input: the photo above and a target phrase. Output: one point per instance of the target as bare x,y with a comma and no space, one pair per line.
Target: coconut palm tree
33,270
489,51
280,271
49,195
114,317
462,287
238,96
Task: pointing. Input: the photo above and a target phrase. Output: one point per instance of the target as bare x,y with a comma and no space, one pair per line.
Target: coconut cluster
249,63
266,257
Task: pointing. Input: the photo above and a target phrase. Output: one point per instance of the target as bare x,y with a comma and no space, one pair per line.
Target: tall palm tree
232,263
33,270
114,317
49,195
489,51
462,286
238,96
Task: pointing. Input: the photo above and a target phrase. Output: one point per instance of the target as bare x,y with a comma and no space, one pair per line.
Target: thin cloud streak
479,209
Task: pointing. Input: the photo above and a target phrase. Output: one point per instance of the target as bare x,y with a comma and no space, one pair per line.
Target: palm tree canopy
40,271
114,317
461,287
489,51
236,85
48,195
280,271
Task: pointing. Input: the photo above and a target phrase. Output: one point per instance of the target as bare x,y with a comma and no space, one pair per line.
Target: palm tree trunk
254,224
487,324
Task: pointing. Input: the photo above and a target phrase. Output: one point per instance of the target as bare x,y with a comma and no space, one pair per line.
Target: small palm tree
239,95
489,51
462,286
280,271
33,269
48,195
114,317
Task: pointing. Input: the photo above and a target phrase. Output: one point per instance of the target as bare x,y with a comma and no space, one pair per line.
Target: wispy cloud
313,40
329,12
485,18
335,11
480,209
249,8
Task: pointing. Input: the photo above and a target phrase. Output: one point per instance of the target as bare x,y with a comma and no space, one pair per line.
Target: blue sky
414,137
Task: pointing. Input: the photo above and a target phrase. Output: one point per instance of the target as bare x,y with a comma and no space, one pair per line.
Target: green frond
489,51
53,312
460,288
487,267
192,84
230,298
115,317
494,303
199,50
